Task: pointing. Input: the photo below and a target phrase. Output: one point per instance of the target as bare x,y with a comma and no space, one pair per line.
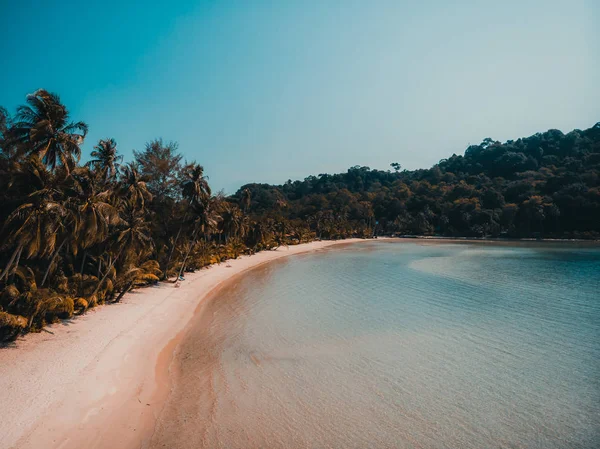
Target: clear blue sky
270,90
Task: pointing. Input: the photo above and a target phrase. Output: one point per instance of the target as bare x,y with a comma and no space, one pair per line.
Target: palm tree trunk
54,256
16,264
12,258
83,262
125,290
174,246
187,255
185,260
112,262
171,254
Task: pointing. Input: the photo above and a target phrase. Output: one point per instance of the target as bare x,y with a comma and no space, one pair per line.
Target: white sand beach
100,380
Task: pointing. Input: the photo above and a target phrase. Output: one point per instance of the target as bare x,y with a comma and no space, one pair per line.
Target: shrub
81,305
59,307
9,295
11,326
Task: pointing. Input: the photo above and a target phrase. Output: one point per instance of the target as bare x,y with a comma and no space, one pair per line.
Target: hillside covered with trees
546,185
75,235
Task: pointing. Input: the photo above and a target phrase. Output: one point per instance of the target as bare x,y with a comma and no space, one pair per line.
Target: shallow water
397,345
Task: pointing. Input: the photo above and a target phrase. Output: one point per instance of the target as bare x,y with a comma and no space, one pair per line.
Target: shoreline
101,380
487,239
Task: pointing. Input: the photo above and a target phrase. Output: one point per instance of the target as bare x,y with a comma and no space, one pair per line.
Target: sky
266,91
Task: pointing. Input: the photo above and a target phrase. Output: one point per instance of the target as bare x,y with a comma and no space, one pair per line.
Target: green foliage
546,185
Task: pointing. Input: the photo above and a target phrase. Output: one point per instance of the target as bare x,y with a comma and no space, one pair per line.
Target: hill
545,185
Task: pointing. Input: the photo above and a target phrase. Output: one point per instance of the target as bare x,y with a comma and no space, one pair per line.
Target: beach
101,380
408,267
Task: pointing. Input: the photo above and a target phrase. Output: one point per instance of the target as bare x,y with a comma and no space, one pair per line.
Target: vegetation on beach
77,235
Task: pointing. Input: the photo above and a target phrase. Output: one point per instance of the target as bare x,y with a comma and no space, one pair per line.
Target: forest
75,235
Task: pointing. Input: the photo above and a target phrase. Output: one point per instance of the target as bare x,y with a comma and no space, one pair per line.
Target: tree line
543,186
76,235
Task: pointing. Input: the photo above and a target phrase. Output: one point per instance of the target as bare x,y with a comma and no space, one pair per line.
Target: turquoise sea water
397,345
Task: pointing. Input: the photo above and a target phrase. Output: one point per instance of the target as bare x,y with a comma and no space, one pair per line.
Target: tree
35,225
132,240
5,126
195,190
204,224
134,187
233,223
73,236
160,165
106,160
194,186
93,210
245,200
42,127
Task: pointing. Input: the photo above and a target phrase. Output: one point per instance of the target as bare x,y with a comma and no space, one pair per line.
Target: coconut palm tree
106,160
133,186
194,186
134,234
93,211
4,121
205,224
147,272
195,189
132,240
234,223
245,200
79,215
9,164
281,230
42,127
41,220
4,132
259,232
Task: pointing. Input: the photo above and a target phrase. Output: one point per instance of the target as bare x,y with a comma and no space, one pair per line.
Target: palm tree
132,276
40,221
234,223
81,218
259,232
204,224
195,186
133,240
93,211
317,222
42,127
106,159
5,125
92,208
281,230
8,163
245,200
4,121
134,187
196,190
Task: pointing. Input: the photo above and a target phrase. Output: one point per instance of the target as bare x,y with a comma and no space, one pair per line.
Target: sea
396,344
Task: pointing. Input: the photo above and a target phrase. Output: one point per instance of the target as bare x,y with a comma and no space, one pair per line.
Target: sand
101,380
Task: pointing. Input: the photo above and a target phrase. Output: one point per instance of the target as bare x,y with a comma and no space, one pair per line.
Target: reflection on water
397,345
